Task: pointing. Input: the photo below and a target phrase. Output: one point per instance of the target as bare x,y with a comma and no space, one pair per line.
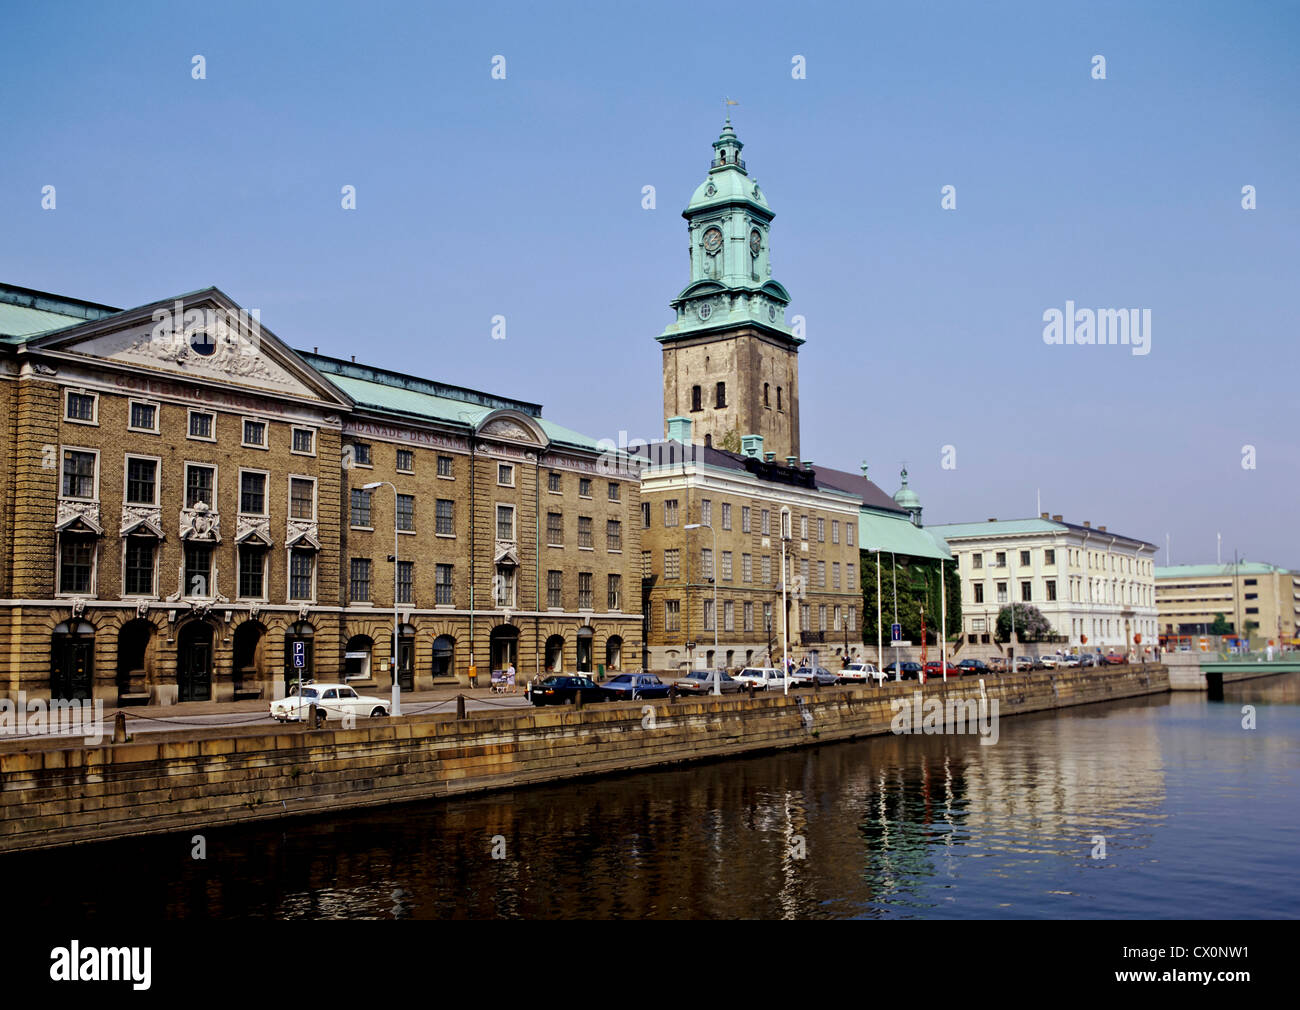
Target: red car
1114,659
934,669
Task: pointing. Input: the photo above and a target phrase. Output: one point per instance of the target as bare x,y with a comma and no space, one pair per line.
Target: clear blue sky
478,197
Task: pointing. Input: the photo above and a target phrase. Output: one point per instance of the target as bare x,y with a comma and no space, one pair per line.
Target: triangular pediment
205,337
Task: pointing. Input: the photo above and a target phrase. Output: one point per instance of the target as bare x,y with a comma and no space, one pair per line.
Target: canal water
1153,808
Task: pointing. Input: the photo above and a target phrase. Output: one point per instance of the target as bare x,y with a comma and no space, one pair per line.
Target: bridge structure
1193,671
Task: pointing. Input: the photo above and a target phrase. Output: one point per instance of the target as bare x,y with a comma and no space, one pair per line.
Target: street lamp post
717,680
397,688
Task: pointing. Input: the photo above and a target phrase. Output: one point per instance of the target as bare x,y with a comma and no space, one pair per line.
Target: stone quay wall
52,794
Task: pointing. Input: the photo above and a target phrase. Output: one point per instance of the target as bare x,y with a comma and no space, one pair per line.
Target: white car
762,677
332,701
860,673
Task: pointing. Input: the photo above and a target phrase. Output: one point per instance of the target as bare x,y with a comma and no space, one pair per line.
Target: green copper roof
905,497
26,313
878,531
1208,571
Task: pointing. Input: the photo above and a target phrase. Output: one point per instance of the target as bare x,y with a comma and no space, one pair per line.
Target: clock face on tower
755,242
712,240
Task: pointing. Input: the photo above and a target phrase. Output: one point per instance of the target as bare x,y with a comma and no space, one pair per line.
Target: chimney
752,446
1087,524
992,520
1101,529
315,350
1042,515
354,359
1056,519
679,429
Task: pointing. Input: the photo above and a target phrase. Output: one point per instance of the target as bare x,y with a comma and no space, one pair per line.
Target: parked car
1071,661
1115,659
332,701
911,671
762,677
702,682
635,686
1088,659
564,689
1049,662
859,673
974,666
934,669
805,675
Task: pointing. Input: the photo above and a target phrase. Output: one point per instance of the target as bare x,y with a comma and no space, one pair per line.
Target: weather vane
726,102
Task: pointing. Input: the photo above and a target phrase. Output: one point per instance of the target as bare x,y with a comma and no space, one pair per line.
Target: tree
1220,626
918,586
1031,625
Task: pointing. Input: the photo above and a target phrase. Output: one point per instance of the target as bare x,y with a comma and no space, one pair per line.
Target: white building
1097,588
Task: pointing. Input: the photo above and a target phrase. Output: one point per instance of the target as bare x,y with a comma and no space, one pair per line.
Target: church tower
731,363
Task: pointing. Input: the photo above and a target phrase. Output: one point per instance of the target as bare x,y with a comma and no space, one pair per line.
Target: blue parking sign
299,655
895,632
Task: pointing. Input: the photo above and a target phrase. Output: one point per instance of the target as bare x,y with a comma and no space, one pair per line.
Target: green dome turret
907,499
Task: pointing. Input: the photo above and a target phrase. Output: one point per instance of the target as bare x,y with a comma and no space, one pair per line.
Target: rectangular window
614,592
670,512
726,566
726,515
1024,558
835,531
673,564
584,531
78,474
1051,590
553,482
505,522
613,535
406,460
141,481
615,494
979,592
728,615
835,575
144,417
252,568
584,591
302,498
1000,560
76,561
304,441
720,395
555,529
1002,592
359,582
747,568
201,425
803,527
672,615
853,618
445,517
80,407
442,584
361,453
805,616
198,569
252,493
821,574
767,617
766,522
255,433
139,566
405,581
1049,557
505,475
444,466
706,512
848,533
1026,592
555,589
850,579
647,565
747,615
746,518
645,515
977,560
706,563
360,508
584,487
406,513
302,566
821,530
708,615
803,569
199,486
767,570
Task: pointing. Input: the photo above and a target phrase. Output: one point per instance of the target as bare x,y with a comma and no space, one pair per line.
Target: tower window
721,398
778,397
767,399
696,398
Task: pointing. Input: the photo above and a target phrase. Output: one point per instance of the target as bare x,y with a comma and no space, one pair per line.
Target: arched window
357,656
697,399
555,654
767,399
613,653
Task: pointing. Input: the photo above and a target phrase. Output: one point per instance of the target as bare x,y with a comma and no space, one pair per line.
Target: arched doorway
585,639
504,646
299,654
444,654
194,662
405,657
358,654
613,654
135,643
555,654
249,654
72,654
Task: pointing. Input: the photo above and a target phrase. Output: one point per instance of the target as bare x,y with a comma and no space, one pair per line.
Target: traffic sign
299,655
900,645
895,632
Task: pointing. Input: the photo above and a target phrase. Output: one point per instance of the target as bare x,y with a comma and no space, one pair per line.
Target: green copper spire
729,222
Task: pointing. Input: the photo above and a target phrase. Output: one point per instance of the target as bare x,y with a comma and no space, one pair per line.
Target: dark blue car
635,686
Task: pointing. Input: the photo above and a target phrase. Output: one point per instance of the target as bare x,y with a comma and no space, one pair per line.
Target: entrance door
73,669
406,662
194,663
584,650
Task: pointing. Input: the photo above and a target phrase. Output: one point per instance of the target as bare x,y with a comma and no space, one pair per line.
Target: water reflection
1195,814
